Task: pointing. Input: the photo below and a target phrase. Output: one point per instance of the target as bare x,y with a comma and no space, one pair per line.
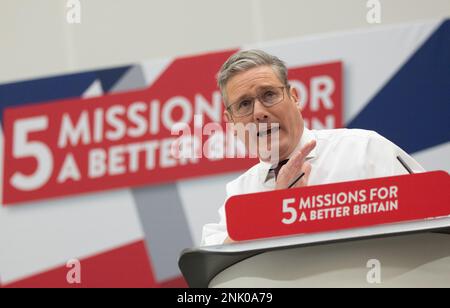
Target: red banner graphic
105,270
339,206
122,140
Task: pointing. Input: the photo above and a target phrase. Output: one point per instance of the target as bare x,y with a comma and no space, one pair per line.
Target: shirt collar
307,136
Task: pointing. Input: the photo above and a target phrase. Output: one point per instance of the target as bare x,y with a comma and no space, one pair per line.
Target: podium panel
406,246
413,260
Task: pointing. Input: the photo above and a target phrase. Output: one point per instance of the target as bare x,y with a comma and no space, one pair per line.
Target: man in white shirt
255,89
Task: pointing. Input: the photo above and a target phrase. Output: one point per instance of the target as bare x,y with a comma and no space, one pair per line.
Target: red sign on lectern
339,206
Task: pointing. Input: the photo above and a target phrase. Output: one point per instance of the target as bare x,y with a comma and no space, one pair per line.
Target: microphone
405,165
296,180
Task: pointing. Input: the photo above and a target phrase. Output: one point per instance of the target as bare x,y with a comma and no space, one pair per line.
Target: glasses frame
253,99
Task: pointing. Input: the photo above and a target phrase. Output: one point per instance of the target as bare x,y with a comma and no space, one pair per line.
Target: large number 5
289,210
22,148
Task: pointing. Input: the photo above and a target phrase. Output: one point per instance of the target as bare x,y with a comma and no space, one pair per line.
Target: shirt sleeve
382,159
215,233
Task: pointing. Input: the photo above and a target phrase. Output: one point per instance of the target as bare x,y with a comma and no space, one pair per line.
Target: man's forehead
254,78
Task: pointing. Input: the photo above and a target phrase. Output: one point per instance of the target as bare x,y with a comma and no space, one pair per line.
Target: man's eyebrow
246,95
242,97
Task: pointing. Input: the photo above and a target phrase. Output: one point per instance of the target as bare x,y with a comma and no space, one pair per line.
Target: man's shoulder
345,136
355,144
344,133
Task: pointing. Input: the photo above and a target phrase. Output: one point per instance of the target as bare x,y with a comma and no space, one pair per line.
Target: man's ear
227,117
294,96
229,120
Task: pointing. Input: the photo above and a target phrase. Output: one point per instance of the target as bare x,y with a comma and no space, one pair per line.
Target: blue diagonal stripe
55,88
413,108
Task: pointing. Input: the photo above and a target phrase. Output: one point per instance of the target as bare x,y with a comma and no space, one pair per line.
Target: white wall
36,40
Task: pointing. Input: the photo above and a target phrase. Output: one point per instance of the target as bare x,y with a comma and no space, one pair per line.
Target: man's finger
295,162
306,168
293,167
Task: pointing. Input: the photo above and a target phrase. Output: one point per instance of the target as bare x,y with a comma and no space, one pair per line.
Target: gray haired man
256,90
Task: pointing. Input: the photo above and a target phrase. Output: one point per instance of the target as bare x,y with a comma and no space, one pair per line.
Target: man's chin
271,152
272,157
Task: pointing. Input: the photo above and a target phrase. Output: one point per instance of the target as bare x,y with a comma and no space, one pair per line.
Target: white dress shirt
340,155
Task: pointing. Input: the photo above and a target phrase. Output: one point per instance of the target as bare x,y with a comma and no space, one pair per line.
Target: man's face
287,113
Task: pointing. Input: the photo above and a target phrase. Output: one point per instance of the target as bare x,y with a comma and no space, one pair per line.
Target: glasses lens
243,108
271,96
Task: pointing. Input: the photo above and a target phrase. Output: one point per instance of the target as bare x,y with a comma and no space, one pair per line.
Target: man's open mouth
269,131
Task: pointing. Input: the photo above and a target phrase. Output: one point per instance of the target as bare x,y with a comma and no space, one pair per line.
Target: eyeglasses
268,96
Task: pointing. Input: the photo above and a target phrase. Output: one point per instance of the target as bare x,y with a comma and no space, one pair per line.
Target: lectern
394,248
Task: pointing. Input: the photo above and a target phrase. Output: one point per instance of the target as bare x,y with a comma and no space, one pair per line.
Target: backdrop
85,157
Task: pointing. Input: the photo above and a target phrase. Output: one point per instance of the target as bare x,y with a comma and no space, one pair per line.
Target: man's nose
260,113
